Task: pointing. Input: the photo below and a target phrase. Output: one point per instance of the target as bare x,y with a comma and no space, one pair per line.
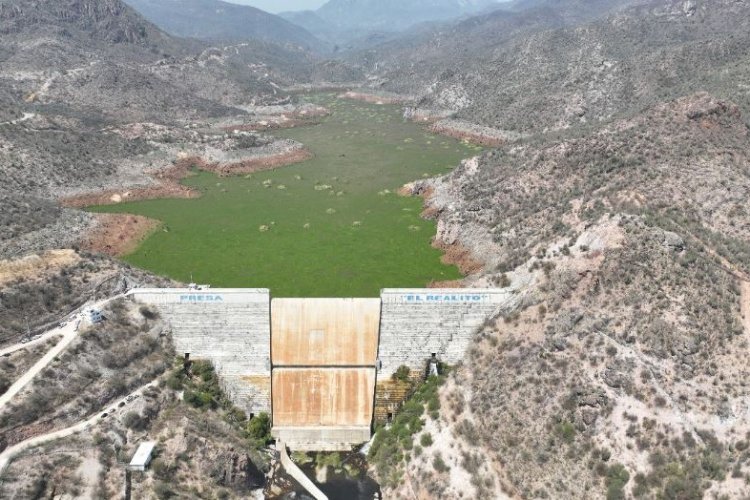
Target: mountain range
543,68
348,22
216,20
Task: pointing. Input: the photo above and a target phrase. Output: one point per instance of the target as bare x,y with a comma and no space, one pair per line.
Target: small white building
142,456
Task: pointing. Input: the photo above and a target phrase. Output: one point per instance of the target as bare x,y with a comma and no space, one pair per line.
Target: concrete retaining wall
415,323
229,327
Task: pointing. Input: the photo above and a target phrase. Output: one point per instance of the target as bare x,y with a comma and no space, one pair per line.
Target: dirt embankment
168,180
476,134
260,163
117,234
454,254
426,115
440,121
273,118
167,185
263,125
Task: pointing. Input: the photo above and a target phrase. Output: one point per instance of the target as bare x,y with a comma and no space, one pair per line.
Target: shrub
328,460
259,428
439,464
132,420
199,399
163,491
388,448
401,374
617,478
566,431
426,440
148,313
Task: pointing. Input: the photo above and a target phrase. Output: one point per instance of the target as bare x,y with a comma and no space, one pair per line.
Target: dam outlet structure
323,368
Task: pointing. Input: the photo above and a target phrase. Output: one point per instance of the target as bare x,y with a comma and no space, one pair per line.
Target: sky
277,6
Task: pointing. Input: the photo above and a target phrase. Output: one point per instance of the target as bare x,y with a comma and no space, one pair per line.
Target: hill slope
623,373
216,20
538,69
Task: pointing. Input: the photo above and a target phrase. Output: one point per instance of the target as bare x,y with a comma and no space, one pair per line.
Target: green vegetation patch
392,445
330,226
200,385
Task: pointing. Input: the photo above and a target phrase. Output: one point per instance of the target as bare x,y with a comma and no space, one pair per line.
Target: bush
132,420
439,464
617,478
389,445
328,460
426,440
199,399
566,431
163,491
259,429
401,374
148,313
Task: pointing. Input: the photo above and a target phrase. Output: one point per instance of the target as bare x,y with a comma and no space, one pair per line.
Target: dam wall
229,327
417,323
323,368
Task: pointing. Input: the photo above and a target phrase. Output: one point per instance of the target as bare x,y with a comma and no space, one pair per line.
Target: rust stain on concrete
339,397
325,332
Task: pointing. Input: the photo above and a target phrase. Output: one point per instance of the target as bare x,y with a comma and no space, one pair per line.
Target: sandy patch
745,305
32,265
88,471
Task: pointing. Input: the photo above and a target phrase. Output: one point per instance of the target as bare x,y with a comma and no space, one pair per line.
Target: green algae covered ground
331,226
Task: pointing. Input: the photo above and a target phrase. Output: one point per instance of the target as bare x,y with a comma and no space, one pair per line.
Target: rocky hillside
539,69
104,20
106,58
216,20
624,375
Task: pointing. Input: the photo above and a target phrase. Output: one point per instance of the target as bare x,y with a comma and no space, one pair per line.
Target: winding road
68,331
120,405
24,345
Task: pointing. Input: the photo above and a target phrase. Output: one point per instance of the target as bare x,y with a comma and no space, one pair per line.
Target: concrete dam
322,368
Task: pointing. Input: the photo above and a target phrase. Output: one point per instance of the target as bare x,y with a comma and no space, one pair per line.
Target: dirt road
68,332
9,453
39,340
